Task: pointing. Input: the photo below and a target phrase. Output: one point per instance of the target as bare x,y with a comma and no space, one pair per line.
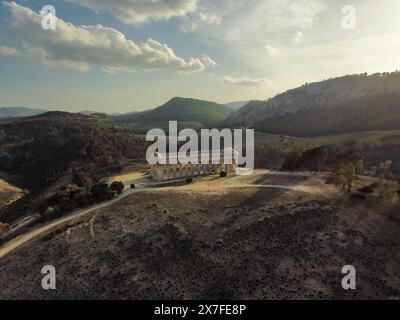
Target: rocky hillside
325,103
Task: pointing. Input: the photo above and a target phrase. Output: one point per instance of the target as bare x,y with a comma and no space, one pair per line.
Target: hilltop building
200,164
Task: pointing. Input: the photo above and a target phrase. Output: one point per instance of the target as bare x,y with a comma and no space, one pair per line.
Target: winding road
19,241
40,230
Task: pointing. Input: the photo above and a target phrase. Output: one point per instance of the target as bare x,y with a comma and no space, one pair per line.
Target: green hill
188,112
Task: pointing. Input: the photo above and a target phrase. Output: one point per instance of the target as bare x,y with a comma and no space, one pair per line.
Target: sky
131,55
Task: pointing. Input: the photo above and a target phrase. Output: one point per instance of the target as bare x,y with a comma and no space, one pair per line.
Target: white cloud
8,51
138,11
246,27
254,20
79,47
299,36
245,81
208,62
199,20
271,50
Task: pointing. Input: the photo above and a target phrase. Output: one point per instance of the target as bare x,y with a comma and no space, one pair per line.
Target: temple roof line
197,154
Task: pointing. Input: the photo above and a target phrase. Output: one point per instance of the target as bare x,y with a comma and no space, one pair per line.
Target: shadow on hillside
269,194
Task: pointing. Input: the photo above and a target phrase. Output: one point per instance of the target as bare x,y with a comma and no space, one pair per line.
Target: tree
83,180
2,136
384,169
101,192
346,176
117,186
339,157
314,159
292,162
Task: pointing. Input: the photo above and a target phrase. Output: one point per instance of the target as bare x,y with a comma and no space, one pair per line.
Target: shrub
60,201
292,162
367,189
330,180
71,187
358,196
375,185
189,180
83,200
83,179
100,192
3,228
117,186
390,196
223,174
384,169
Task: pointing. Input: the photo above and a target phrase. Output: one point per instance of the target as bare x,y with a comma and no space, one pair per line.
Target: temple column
188,171
183,170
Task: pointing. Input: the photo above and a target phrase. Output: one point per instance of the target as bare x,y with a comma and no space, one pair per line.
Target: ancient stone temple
167,167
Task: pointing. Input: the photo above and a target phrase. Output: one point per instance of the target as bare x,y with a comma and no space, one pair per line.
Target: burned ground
247,243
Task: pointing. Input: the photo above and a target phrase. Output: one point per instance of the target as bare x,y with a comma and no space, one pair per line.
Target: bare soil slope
8,193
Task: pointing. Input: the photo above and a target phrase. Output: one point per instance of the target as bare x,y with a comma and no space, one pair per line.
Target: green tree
101,192
346,176
83,180
117,186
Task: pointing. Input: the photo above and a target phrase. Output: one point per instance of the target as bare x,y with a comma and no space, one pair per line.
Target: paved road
17,242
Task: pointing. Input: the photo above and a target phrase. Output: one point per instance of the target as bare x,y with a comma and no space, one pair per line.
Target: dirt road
19,241
204,183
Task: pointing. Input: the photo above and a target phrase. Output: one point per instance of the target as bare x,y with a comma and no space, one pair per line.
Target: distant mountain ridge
12,112
91,112
237,104
193,112
294,111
